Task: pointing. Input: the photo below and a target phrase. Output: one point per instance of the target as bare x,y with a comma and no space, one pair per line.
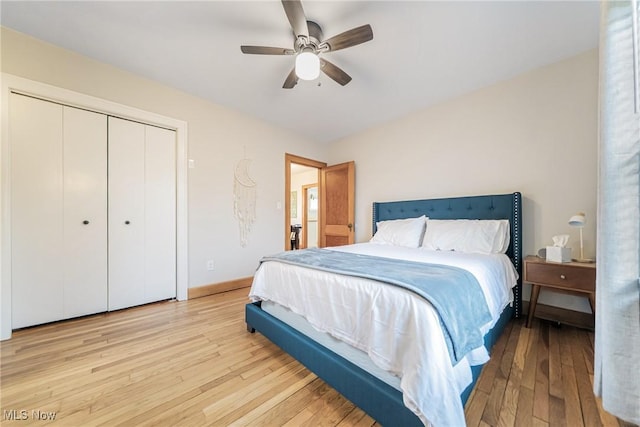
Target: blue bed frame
381,401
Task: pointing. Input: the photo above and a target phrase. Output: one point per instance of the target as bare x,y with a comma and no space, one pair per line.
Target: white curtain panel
617,334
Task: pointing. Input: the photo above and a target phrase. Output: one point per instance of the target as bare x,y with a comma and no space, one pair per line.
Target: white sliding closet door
58,181
36,211
85,212
126,213
160,213
142,221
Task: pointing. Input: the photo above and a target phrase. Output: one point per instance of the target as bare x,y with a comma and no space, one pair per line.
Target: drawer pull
562,276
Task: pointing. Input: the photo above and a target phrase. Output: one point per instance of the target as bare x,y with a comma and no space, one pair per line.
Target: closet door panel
126,213
160,214
85,212
36,211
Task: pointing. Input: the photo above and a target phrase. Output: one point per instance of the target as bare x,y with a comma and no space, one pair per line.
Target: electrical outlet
210,265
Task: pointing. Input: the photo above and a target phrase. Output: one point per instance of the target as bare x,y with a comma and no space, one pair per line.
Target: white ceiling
422,53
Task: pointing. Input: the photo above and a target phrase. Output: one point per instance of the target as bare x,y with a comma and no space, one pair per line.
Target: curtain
617,333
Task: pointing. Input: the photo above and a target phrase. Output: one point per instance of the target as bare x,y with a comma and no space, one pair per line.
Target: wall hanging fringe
244,199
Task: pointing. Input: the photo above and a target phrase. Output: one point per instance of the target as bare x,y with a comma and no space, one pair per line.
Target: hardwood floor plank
491,414
512,389
258,412
485,382
192,363
333,410
555,364
556,412
531,365
509,352
286,409
524,415
357,418
537,422
565,348
572,407
590,415
541,391
475,408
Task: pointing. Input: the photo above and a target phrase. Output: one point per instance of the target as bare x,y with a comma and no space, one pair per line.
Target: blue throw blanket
455,293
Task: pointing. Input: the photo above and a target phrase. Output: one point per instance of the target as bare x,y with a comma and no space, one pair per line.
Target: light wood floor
193,363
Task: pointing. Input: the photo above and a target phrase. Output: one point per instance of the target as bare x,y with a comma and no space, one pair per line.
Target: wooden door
337,205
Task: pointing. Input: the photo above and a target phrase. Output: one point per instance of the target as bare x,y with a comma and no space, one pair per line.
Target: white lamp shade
578,220
307,66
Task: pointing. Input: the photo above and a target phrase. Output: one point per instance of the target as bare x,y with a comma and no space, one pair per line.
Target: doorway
310,226
336,202
300,175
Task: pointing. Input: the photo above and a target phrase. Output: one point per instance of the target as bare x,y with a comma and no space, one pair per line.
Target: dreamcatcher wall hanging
244,199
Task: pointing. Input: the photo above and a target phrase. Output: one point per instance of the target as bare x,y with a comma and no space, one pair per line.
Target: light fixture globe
307,66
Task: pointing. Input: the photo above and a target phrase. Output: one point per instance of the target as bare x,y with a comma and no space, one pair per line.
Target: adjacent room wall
297,181
536,134
218,138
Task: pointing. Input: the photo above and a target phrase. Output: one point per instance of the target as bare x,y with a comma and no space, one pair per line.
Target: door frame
288,160
12,83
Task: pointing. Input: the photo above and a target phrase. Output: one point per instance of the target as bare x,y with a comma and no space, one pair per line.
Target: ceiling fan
309,44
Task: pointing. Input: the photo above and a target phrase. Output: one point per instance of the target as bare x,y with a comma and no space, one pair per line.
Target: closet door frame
12,83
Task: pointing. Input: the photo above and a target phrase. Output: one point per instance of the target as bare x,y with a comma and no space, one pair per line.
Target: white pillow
400,232
467,235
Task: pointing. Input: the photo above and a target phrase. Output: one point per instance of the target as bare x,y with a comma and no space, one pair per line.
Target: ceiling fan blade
349,38
266,50
334,72
296,16
291,80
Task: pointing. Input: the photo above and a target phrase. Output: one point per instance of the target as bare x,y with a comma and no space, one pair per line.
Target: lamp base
584,260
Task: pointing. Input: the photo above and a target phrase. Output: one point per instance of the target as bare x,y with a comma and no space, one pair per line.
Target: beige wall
217,139
297,181
536,134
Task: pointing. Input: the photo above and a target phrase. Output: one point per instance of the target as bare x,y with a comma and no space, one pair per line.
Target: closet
93,212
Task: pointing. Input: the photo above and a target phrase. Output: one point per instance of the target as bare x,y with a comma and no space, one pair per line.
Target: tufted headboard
502,206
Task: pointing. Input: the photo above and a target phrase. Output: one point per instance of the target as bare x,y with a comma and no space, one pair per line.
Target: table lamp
579,220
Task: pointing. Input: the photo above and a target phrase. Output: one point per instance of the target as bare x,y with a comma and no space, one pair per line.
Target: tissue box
558,254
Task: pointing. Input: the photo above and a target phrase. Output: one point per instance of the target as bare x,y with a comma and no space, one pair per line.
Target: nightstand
570,277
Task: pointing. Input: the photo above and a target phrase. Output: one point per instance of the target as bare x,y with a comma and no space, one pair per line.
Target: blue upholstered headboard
502,206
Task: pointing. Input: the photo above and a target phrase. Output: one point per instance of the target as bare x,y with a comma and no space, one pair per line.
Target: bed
359,381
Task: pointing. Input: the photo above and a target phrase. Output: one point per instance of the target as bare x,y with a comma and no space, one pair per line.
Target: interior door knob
85,222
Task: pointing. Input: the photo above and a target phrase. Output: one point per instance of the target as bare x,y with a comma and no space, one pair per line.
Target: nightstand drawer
563,276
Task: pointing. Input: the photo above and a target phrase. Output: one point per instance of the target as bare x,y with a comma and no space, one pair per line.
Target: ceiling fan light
307,66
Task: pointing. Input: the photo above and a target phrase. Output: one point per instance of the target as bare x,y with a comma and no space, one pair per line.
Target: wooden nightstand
569,277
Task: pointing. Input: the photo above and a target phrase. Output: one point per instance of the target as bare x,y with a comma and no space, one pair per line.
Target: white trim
12,83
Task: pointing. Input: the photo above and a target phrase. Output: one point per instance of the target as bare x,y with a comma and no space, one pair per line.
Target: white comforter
399,330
